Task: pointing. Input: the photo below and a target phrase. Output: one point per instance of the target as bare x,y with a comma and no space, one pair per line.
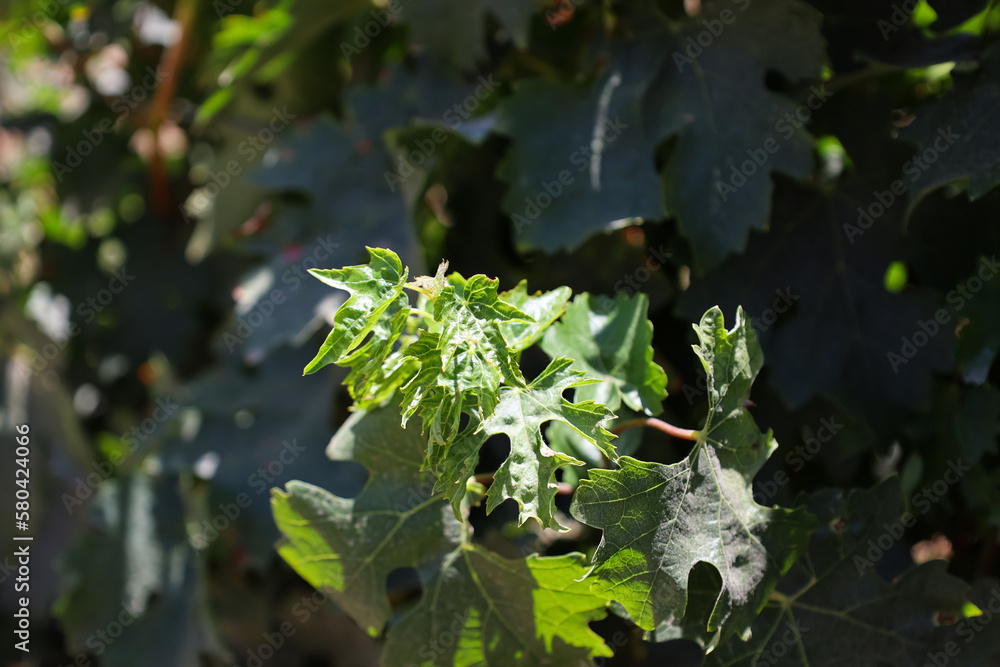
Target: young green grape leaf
564,603
455,462
482,609
374,287
528,474
611,339
378,368
659,521
347,547
834,609
470,318
463,363
544,307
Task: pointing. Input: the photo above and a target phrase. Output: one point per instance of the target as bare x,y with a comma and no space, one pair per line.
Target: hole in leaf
776,81
345,478
403,587
264,91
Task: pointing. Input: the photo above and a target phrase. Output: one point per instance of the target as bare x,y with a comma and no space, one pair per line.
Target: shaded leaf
835,610
957,134
714,100
481,609
456,31
347,547
588,167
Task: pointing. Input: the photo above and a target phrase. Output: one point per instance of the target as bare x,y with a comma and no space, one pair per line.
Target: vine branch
658,424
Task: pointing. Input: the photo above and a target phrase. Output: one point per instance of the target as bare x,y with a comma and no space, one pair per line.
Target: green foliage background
828,166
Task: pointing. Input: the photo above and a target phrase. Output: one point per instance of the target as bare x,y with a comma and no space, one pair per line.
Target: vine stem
658,424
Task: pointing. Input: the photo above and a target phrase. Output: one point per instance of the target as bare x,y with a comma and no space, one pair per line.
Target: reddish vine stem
658,424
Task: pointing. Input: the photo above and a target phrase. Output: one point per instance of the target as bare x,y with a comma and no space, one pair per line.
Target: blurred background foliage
169,170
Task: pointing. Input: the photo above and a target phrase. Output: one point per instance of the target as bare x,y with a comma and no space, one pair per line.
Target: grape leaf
136,568
659,521
379,367
374,287
979,340
662,87
455,30
528,474
463,364
471,317
481,609
545,308
590,165
611,340
236,419
970,418
702,96
834,609
493,607
957,134
831,325
347,547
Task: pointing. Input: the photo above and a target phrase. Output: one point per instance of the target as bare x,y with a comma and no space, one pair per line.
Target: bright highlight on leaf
492,609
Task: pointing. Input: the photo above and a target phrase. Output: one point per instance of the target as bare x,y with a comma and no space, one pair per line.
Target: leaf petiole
658,424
